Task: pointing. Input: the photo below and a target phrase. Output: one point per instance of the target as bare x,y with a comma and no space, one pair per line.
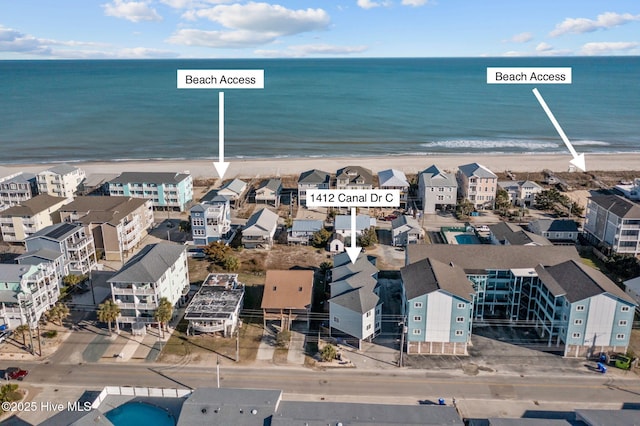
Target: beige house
269,192
60,181
287,296
477,184
22,221
118,224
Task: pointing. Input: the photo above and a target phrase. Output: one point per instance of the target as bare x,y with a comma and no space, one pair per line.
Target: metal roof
393,178
260,223
157,178
306,225
343,222
477,170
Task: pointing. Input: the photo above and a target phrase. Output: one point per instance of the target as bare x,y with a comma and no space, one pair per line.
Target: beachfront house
96,184
506,233
234,189
302,231
630,189
157,271
17,188
406,230
477,184
27,292
269,192
437,300
342,224
60,181
558,231
215,308
354,177
287,297
355,307
613,223
395,179
312,179
437,189
211,221
521,193
117,224
566,304
25,219
71,240
260,229
166,190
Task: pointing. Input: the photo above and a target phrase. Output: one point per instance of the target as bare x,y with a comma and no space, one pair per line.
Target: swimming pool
467,239
136,413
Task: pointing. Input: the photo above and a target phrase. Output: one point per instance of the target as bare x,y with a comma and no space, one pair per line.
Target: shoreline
410,164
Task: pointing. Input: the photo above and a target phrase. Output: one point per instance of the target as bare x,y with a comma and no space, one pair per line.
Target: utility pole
238,345
402,331
218,370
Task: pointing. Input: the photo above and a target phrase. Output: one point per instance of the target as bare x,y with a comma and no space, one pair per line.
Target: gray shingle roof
103,209
429,275
617,205
360,300
12,273
516,236
32,206
237,186
272,184
555,225
434,177
150,177
314,177
260,223
149,264
477,170
22,177
354,172
35,257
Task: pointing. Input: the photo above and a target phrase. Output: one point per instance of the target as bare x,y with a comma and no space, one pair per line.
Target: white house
234,189
312,179
269,192
157,271
342,224
260,229
16,188
521,193
557,231
60,181
437,189
302,230
211,220
406,230
395,179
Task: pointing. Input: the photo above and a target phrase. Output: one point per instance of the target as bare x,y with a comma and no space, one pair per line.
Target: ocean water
53,111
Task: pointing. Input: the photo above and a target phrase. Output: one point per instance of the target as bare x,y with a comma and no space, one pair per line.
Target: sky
123,29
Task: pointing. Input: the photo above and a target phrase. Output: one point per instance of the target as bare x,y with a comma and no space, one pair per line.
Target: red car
15,373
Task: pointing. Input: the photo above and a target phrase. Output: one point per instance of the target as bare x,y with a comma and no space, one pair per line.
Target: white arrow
578,159
221,166
353,251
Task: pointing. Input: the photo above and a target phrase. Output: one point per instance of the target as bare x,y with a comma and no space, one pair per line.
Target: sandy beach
293,166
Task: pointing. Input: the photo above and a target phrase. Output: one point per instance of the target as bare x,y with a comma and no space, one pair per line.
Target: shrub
50,334
329,353
282,339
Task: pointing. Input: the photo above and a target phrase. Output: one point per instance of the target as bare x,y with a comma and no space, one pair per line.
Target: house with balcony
355,307
117,224
268,192
211,221
17,188
302,231
27,292
342,224
215,308
53,257
354,177
572,308
477,184
260,229
157,271
506,233
437,189
438,304
395,179
312,179
558,231
630,189
521,193
613,223
23,220
166,190
287,297
234,189
406,230
72,240
60,181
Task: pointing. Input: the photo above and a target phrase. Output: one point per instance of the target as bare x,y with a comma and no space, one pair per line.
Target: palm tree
163,313
58,312
23,329
108,312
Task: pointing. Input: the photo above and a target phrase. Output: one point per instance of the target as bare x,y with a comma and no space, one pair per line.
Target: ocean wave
527,145
590,143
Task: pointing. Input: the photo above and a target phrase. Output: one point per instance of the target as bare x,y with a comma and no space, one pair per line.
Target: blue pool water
137,413
467,239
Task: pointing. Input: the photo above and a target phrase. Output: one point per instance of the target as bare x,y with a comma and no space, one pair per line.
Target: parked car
4,335
15,373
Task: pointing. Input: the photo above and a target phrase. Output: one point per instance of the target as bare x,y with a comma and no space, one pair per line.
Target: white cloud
370,4
522,38
193,4
221,39
414,3
134,11
304,50
608,47
543,47
14,41
583,25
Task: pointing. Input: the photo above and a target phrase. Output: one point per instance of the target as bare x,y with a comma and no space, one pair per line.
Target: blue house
211,220
167,190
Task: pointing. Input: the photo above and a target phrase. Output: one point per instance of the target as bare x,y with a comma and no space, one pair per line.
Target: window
459,319
198,232
368,326
620,336
368,314
336,320
462,305
624,308
576,335
580,308
578,322
459,332
275,288
417,305
417,318
622,323
417,331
